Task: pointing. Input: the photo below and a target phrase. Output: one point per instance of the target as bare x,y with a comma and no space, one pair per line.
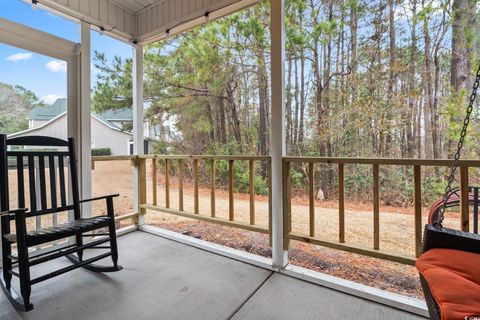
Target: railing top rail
385,161
203,157
112,158
379,161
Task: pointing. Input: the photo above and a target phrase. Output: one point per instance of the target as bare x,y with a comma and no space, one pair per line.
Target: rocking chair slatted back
47,194
45,189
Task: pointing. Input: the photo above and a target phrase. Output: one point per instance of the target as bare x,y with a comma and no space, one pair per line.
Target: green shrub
101,151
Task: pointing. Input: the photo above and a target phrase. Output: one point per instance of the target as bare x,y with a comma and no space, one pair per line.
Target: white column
85,155
137,92
277,128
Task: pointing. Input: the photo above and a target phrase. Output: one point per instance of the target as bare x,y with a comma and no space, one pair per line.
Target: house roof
49,112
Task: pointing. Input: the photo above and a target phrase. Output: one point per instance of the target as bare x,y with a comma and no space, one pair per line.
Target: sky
43,75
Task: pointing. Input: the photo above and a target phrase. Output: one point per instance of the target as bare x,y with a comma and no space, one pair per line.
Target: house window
130,147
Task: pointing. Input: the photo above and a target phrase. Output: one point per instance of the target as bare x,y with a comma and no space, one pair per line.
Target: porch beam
138,146
277,129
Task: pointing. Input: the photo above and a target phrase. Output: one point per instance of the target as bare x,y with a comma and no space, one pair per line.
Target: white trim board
397,301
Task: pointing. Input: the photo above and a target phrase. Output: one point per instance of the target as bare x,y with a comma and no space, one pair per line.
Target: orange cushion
454,279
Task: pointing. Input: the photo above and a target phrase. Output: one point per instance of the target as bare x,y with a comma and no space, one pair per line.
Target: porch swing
449,266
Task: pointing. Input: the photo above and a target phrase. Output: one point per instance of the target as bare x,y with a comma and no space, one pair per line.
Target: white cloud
57,66
19,56
51,98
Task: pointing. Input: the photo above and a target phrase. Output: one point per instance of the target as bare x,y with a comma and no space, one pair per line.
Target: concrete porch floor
164,279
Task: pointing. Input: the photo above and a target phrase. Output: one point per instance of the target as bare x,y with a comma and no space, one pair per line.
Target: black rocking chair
34,164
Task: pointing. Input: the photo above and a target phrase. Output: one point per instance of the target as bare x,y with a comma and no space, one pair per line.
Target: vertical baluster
231,210
251,178
154,181
341,203
311,199
195,190
417,191
167,183
376,208
180,184
287,205
464,205
212,187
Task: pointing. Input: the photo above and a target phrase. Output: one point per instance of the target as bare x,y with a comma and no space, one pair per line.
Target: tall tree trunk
412,109
428,90
288,103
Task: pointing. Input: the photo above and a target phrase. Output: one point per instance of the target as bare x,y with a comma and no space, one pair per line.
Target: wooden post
341,203
154,181
231,208
212,188
417,192
464,205
195,190
251,178
180,184
142,185
311,198
376,208
167,184
287,209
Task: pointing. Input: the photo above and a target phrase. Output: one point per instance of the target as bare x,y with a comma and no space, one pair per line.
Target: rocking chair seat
64,230
453,278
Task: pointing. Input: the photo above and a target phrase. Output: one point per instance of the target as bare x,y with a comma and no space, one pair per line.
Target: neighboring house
109,129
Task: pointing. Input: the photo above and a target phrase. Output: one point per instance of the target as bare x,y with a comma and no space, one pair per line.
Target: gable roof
48,112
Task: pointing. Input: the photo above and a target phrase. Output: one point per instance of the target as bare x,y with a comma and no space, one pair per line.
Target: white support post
277,129
138,145
85,142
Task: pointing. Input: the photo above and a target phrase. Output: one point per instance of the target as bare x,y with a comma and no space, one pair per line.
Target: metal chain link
453,168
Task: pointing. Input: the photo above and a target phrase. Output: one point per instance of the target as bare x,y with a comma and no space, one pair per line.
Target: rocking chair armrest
13,212
446,238
99,198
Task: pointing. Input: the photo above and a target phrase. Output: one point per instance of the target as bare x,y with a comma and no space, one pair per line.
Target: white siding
106,137
102,135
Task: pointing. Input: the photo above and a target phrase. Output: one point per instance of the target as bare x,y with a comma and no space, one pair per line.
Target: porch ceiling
143,21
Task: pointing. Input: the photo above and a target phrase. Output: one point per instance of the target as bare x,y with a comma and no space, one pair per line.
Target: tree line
363,79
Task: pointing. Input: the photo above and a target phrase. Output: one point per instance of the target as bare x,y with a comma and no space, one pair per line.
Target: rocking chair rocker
47,168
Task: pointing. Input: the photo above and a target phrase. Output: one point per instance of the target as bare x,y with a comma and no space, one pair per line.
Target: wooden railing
310,236
374,250
133,216
178,209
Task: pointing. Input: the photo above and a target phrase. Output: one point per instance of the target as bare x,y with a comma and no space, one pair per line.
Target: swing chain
453,168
